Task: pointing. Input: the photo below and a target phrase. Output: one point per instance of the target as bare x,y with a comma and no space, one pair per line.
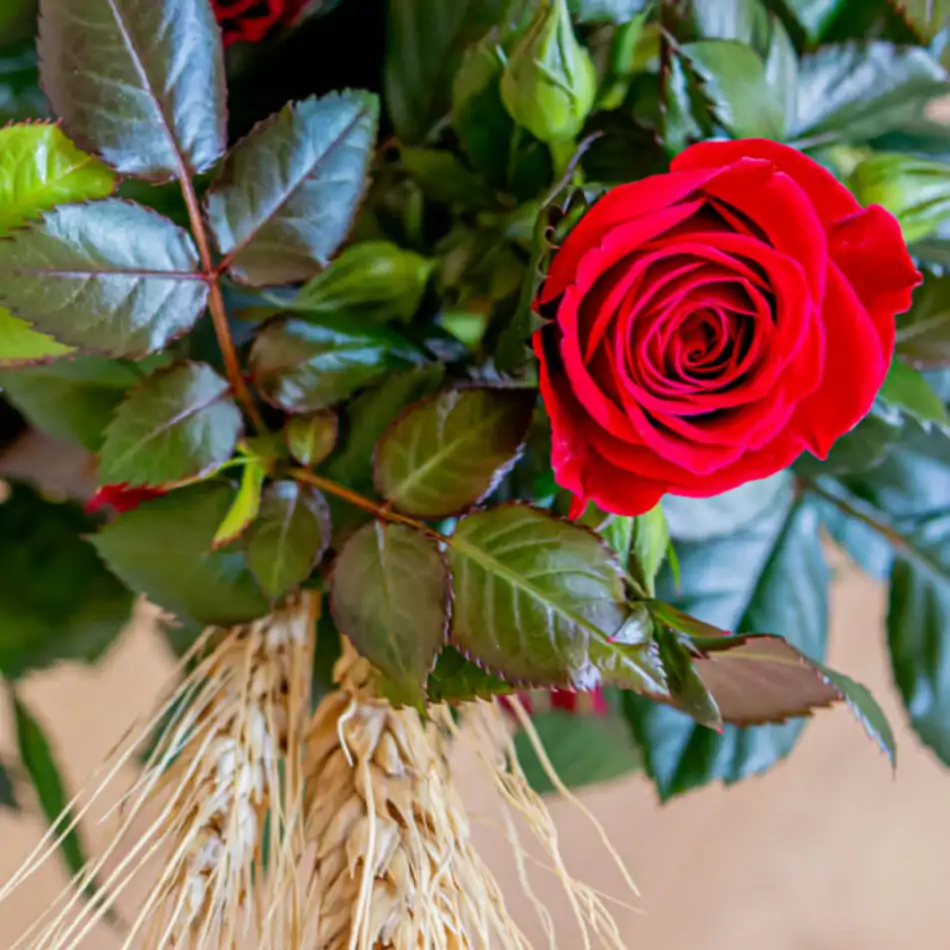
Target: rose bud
549,83
916,191
712,324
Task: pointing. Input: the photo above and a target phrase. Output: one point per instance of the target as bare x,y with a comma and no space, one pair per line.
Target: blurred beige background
827,852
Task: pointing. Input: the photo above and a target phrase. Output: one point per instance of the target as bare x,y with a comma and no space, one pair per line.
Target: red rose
251,20
713,323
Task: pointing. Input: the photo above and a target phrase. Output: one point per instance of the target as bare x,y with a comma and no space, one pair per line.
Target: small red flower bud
121,497
249,21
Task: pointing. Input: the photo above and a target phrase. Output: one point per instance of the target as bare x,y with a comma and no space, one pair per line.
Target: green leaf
107,276
928,17
745,21
617,12
8,798
288,193
853,92
906,389
390,595
311,438
245,507
175,425
20,94
865,708
36,755
41,168
699,519
289,537
456,680
583,750
445,180
541,601
148,93
21,345
73,401
368,416
781,67
57,600
375,279
164,549
864,447
918,625
815,16
734,79
923,334
303,366
782,587
424,45
686,686
651,541
450,451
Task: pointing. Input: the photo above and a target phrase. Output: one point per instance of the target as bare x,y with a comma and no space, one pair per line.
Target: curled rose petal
711,324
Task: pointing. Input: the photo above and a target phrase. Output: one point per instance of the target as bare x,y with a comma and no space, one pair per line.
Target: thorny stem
219,318
381,511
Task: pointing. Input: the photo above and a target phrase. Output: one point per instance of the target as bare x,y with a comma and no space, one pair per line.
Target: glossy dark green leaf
698,519
164,549
141,84
853,92
303,366
368,416
375,279
456,680
734,80
36,754
781,586
57,600
288,193
71,400
815,15
906,389
541,601
289,536
425,42
923,333
311,438
583,750
390,594
918,627
616,12
450,451
107,276
686,686
178,423
445,180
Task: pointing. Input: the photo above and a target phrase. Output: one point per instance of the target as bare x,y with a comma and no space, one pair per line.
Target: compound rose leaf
450,451
178,423
288,537
108,276
390,594
141,84
288,192
541,601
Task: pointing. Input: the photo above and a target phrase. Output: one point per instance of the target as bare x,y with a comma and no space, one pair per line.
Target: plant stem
219,317
383,512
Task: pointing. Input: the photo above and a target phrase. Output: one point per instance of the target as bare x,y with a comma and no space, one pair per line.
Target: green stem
562,154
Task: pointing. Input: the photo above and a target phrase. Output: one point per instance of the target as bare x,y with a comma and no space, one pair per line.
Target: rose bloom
711,324
250,21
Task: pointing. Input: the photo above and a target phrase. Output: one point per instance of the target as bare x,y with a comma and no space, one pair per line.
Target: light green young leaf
311,438
246,505
906,389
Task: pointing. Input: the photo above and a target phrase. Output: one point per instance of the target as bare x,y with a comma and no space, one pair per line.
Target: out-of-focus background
829,851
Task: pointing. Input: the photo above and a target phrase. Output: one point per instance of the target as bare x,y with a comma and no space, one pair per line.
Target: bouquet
502,380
